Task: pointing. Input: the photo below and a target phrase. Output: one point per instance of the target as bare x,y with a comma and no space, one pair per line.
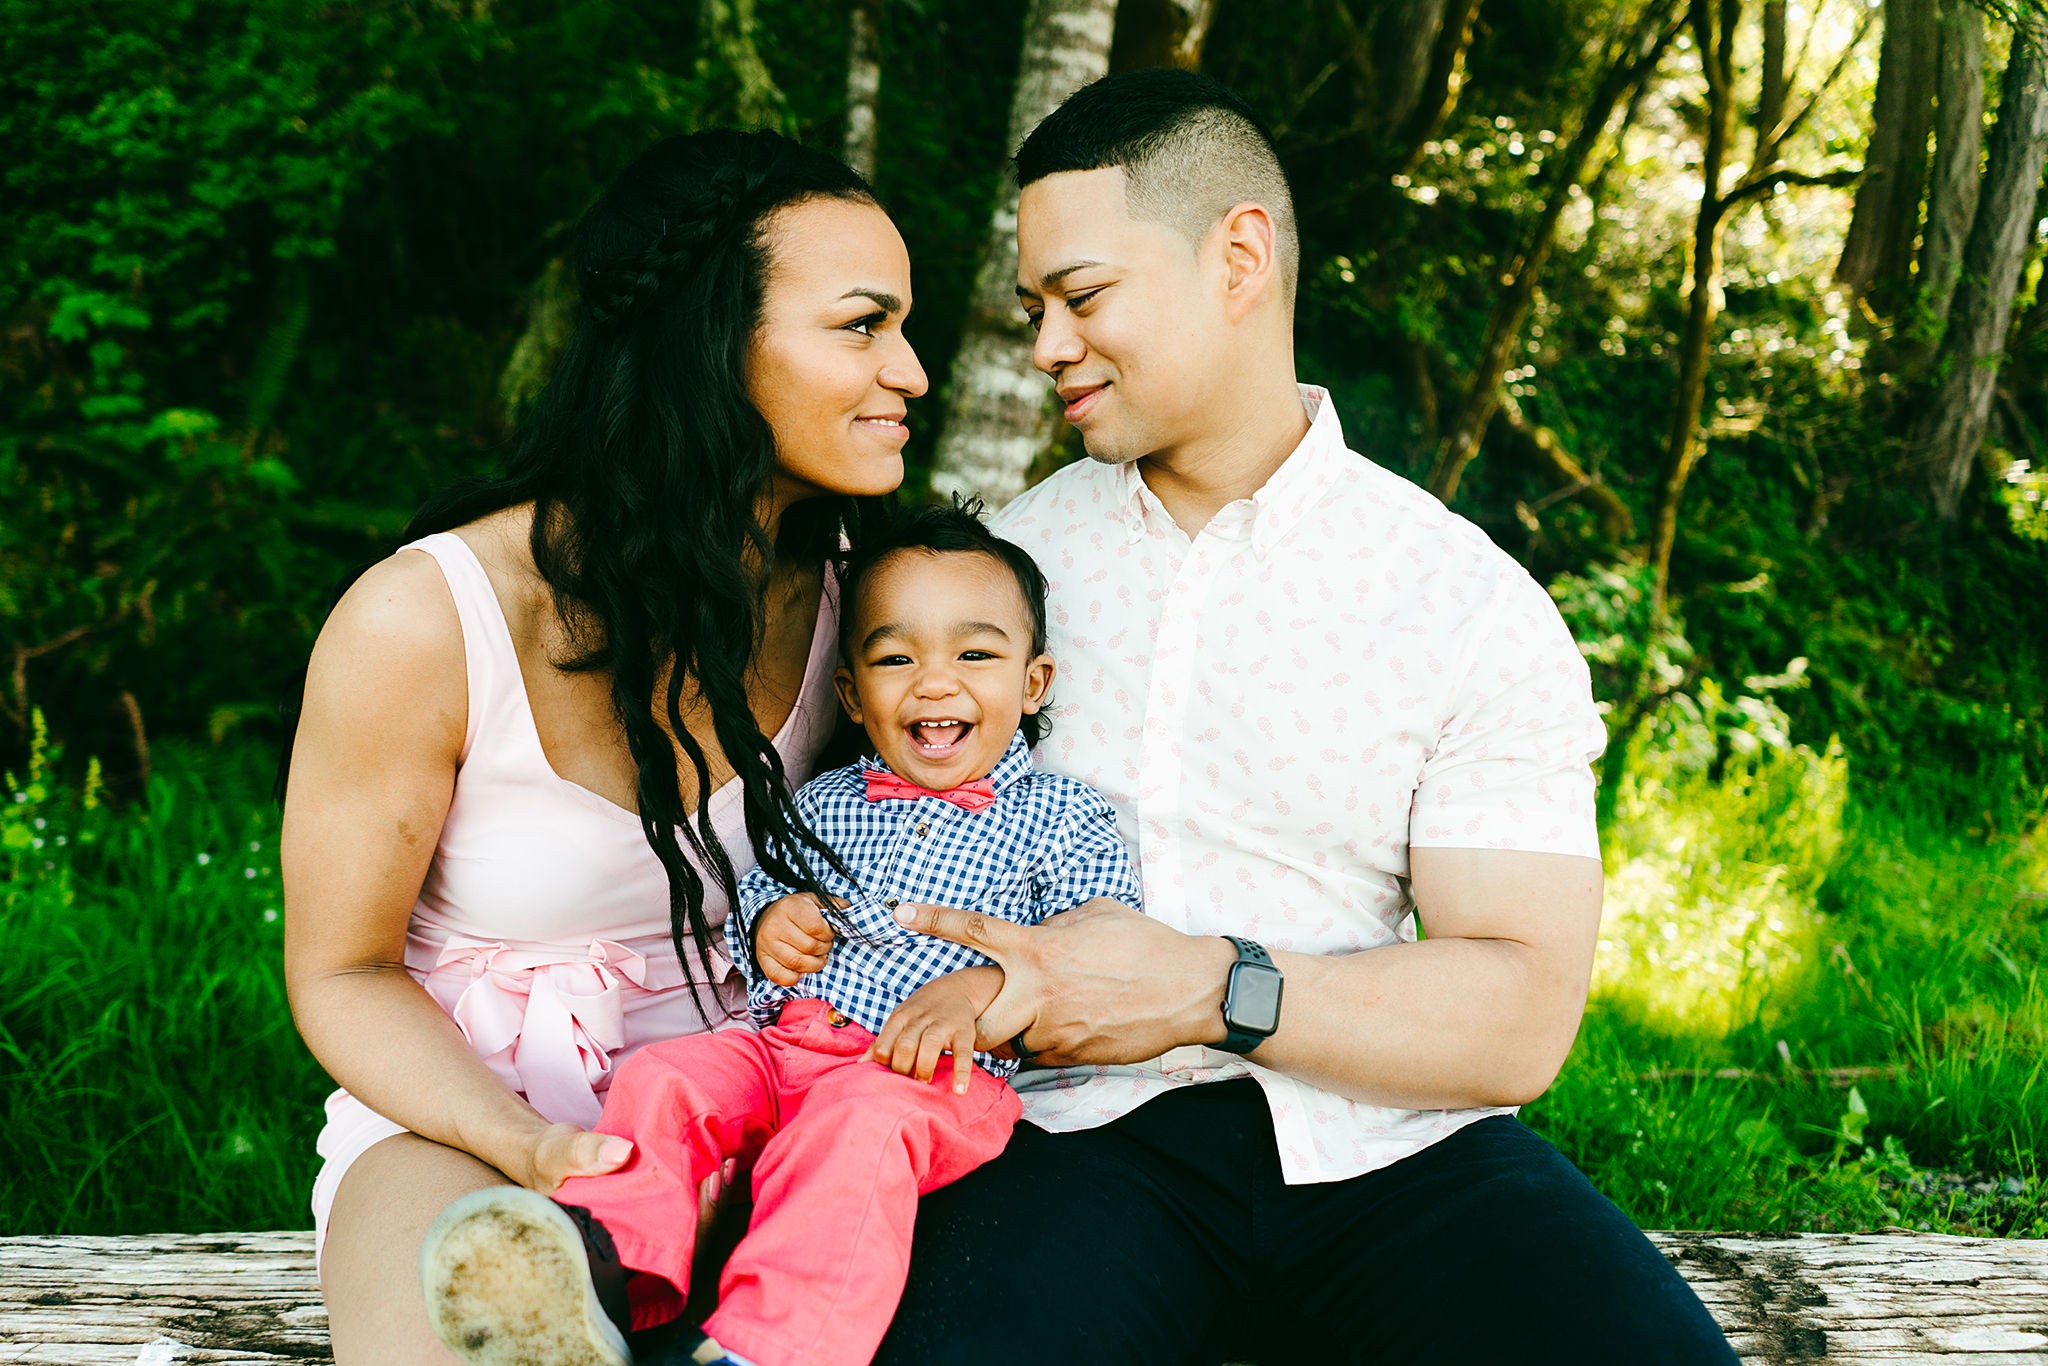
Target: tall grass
150,1077
1866,985
1761,921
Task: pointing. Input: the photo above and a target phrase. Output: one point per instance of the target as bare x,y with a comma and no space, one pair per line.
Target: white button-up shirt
1333,671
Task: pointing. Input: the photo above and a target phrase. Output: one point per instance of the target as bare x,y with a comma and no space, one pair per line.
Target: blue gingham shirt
1047,845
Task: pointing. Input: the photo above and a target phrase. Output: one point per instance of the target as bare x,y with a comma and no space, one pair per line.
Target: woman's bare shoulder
401,608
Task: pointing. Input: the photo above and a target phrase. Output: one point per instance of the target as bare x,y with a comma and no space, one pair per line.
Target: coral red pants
841,1148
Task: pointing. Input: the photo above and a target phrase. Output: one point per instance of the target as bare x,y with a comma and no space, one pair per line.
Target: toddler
842,1104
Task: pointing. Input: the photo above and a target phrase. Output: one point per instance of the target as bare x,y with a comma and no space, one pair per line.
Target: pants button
835,1019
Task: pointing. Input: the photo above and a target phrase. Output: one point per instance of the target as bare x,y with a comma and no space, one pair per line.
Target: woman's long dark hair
645,464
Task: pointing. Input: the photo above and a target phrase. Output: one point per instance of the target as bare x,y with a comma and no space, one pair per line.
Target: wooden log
1894,1298
219,1296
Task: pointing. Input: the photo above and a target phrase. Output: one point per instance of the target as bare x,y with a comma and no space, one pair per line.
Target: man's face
1130,318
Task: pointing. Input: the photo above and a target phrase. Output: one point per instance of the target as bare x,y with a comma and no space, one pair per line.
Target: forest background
1724,318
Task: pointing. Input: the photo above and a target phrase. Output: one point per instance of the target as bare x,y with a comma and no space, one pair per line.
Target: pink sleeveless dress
543,926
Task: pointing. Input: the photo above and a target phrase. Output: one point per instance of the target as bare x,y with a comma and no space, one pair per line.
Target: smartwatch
1251,1000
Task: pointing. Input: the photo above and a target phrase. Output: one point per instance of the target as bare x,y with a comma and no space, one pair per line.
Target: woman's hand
937,1017
792,938
561,1151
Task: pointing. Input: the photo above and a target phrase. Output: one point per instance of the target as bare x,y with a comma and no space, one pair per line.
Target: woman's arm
373,771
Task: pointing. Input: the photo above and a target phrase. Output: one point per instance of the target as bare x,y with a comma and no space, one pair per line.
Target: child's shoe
512,1278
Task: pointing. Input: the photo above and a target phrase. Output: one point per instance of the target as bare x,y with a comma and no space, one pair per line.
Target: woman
500,877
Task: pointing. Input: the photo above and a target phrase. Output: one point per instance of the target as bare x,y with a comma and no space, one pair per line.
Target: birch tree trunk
1156,33
1879,248
1951,429
863,84
1002,412
1959,147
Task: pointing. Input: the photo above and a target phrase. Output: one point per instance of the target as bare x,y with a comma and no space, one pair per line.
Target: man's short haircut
1190,151
943,530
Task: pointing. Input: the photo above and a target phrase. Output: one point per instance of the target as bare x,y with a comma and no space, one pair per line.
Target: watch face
1254,1006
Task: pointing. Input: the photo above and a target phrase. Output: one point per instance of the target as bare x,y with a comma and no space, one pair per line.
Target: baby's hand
792,938
936,1017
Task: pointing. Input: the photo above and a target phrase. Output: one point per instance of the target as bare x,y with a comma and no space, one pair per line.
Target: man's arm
1482,1012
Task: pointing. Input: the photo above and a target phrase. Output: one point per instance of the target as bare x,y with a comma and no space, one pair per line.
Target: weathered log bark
1950,430
1845,1298
1878,251
1630,62
1958,176
863,84
1001,414
1156,33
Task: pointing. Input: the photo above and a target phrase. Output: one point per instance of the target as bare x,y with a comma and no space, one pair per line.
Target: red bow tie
885,786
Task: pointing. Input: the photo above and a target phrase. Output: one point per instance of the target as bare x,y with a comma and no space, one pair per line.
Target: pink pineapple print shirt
1334,671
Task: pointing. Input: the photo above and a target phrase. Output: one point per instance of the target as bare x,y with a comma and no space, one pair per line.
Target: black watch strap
1242,1035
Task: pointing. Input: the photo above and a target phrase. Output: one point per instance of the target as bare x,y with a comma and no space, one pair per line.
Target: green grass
1765,924
150,1078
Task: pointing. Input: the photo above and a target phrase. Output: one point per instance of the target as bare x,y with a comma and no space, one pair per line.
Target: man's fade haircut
944,529
1190,150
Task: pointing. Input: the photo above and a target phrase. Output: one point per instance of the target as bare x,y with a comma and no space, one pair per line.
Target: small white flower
205,859
248,872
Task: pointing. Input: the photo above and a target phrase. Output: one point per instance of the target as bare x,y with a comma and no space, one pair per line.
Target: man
1318,701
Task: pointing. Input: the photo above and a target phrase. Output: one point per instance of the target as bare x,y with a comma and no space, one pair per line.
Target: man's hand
938,1016
1098,984
792,938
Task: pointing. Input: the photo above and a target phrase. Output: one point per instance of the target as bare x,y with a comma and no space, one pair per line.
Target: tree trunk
1770,104
1959,148
1626,68
759,103
1714,27
1878,252
550,320
1951,429
863,84
1438,95
1001,413
1155,33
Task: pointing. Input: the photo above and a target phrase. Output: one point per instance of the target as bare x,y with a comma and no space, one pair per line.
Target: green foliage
1763,929
268,263
150,1077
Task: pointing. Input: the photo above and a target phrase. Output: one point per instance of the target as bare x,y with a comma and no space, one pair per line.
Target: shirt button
890,902
924,830
835,1019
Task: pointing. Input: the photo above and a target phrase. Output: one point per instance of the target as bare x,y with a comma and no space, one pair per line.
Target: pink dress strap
543,925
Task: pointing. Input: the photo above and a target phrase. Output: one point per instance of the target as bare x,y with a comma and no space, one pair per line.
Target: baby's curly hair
938,530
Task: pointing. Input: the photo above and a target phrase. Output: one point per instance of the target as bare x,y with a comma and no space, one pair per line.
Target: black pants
1169,1237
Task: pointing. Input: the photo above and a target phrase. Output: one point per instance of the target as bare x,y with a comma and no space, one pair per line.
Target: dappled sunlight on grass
1712,886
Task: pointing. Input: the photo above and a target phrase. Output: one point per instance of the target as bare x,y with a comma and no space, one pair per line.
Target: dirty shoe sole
507,1283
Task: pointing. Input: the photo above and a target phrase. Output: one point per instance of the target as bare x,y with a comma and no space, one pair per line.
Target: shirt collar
1280,504
1015,764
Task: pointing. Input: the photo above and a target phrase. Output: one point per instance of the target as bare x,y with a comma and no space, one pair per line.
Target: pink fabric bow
885,786
546,1020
